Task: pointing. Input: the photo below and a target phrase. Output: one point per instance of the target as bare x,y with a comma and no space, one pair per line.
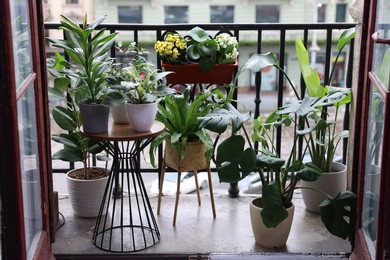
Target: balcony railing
253,38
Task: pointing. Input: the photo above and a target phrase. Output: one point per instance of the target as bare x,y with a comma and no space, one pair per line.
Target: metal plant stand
126,223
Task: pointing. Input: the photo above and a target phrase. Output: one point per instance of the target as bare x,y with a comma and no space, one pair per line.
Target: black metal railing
257,38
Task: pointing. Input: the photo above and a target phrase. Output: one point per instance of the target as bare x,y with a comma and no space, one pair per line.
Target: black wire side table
125,223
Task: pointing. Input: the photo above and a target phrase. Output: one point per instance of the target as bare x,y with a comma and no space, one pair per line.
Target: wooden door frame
363,97
13,236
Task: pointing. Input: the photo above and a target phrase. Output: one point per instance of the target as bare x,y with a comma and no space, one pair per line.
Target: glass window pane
321,13
21,40
341,10
381,64
222,14
130,14
267,14
176,14
383,19
372,171
29,159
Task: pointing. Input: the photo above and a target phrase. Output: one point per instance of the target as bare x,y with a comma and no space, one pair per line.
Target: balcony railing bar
236,29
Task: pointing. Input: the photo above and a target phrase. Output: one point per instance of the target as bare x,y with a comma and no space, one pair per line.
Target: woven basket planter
194,159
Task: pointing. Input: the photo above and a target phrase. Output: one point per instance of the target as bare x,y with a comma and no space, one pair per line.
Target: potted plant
88,51
85,185
320,128
188,146
279,176
198,58
140,88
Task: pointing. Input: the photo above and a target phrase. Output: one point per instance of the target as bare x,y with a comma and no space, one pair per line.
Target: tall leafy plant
236,156
88,50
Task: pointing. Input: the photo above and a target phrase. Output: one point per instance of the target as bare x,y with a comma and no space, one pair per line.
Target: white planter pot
86,195
330,182
141,116
119,115
95,117
270,237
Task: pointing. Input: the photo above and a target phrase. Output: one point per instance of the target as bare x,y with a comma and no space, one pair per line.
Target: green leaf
346,37
208,48
310,76
64,118
233,162
273,212
321,124
339,214
206,64
269,162
68,155
310,172
96,22
192,53
198,34
257,62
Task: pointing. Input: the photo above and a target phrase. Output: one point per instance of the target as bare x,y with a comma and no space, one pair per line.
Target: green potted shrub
320,129
279,176
188,146
85,185
88,50
140,87
197,57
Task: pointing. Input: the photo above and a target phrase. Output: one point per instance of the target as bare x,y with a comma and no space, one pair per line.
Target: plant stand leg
162,175
211,191
177,197
197,186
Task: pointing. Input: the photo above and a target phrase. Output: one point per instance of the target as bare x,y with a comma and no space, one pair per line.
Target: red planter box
192,74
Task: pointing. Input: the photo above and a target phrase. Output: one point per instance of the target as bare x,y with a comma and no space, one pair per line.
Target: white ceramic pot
86,195
141,116
330,182
119,115
270,237
95,117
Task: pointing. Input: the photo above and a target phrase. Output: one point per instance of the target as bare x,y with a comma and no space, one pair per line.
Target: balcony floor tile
196,232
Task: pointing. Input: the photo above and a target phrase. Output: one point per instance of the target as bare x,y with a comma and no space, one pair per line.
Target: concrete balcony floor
198,236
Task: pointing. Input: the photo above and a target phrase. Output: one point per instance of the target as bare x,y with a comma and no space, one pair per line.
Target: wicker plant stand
193,161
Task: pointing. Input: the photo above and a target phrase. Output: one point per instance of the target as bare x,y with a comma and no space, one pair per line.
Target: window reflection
21,40
372,171
29,168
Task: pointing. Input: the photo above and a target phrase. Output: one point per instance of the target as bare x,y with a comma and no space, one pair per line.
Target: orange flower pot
192,74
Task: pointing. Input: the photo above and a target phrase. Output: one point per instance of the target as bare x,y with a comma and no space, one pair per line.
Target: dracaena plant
236,157
88,50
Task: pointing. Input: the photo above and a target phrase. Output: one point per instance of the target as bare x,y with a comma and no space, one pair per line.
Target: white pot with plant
320,127
140,88
86,185
87,69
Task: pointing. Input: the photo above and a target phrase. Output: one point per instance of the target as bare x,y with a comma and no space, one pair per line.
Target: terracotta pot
330,182
141,116
270,237
95,117
119,115
86,195
191,73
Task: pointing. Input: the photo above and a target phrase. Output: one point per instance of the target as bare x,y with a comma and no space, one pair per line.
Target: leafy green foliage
180,117
89,54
